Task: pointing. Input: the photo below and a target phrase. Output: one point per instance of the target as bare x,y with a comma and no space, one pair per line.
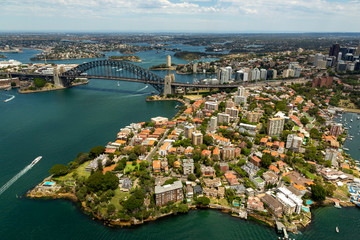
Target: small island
2,56
193,56
130,58
163,67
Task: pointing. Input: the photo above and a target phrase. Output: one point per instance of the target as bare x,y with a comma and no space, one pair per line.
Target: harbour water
58,125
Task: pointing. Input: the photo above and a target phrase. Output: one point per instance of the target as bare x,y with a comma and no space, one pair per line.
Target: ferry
36,160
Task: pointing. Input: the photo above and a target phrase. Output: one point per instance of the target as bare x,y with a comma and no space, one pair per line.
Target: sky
196,16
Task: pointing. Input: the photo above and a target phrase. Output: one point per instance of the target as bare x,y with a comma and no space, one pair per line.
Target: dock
281,228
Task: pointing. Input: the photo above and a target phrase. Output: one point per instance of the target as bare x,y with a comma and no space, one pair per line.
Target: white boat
337,229
345,149
118,84
36,160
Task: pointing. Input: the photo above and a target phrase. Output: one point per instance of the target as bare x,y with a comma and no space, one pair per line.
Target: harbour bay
58,125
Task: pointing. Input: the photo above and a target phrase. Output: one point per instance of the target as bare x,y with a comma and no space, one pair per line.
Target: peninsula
263,153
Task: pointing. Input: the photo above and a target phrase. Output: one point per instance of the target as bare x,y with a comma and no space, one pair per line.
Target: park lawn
130,167
79,170
119,196
342,193
221,201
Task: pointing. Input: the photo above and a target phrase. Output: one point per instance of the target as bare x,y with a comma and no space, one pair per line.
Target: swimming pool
49,184
308,202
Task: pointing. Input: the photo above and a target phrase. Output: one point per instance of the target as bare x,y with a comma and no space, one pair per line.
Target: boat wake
142,88
16,177
9,99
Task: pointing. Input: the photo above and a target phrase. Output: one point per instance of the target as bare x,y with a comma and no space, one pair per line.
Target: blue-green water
58,125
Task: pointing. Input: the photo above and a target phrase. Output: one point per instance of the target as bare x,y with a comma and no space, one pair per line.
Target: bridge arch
141,74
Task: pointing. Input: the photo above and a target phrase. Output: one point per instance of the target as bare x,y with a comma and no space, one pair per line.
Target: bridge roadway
174,84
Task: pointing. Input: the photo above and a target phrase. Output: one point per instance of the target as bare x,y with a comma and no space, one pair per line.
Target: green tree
59,170
96,151
208,140
191,177
266,160
304,120
203,200
102,182
39,82
318,192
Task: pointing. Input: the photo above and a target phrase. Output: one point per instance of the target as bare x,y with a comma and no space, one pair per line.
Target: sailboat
118,83
337,229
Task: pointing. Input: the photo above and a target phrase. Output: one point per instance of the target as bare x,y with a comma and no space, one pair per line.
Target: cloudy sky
181,16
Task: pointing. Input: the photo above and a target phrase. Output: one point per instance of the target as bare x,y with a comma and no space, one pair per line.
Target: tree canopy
102,182
58,170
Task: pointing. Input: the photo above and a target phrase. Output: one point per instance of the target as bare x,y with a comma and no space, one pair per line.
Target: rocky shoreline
38,193
51,89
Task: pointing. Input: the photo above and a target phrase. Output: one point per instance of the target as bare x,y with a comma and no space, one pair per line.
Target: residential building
275,126
188,131
213,106
223,118
253,117
331,155
241,91
213,124
273,204
170,192
335,129
207,171
197,138
294,142
228,153
159,120
188,166
270,177
233,112
254,203
322,81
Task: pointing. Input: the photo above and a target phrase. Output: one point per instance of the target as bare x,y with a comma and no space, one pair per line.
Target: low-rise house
94,164
224,167
231,178
207,171
157,166
125,184
270,177
212,182
189,191
216,154
255,160
258,181
239,189
198,190
254,203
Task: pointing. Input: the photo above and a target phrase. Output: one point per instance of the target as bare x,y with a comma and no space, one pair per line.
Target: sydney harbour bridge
120,71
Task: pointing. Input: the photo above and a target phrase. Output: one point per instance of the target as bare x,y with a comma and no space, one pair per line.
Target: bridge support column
167,84
57,80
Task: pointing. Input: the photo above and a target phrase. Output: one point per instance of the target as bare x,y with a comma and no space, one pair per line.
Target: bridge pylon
57,80
168,89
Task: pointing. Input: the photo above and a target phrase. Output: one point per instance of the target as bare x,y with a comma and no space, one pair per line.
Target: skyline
203,16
